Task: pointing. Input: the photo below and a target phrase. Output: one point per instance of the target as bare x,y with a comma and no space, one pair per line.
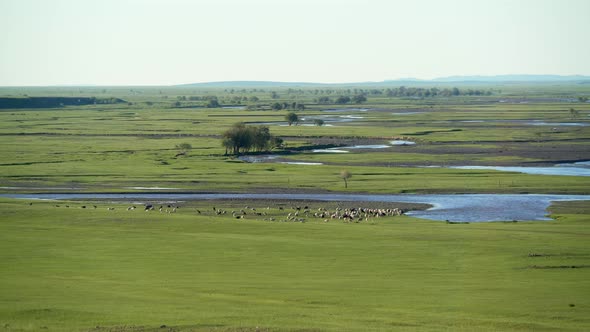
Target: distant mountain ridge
448,79
514,78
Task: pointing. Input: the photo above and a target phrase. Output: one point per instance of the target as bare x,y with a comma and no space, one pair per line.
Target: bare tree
345,175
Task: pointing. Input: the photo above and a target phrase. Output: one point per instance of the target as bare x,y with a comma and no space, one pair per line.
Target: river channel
451,207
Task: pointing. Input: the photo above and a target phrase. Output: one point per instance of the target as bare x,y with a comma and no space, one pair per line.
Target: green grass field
74,269
86,269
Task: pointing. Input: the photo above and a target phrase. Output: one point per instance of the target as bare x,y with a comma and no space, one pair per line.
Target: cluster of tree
243,139
212,102
343,99
433,92
582,99
288,106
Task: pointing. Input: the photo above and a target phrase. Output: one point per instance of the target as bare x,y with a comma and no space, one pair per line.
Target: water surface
575,169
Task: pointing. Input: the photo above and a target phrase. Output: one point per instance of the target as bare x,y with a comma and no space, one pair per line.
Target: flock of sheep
294,214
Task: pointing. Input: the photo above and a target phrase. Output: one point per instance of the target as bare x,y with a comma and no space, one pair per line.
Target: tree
342,100
291,118
574,113
227,143
213,103
359,99
183,149
318,122
582,99
277,106
276,142
241,139
345,175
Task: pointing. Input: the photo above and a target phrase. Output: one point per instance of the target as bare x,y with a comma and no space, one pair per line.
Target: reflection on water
330,150
301,163
575,169
531,123
346,110
402,142
258,159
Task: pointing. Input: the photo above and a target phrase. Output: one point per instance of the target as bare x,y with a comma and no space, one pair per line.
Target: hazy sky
148,42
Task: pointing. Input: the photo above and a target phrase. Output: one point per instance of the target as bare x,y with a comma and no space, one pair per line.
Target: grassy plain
74,269
67,269
113,147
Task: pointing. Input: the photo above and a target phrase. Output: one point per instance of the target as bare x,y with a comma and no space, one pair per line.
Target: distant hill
514,78
261,84
409,81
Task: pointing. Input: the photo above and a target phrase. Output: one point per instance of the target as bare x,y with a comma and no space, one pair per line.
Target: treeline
295,106
401,91
52,102
243,139
433,92
356,99
327,97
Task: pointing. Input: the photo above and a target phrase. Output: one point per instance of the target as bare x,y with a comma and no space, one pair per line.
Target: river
452,207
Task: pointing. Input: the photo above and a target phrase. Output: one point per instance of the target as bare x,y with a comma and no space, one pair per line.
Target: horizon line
441,79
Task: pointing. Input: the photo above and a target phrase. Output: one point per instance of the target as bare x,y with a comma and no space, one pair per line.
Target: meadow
95,269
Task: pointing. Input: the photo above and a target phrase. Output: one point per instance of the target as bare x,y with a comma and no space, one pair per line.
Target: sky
165,42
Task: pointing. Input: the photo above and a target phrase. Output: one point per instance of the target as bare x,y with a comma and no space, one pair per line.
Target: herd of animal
292,214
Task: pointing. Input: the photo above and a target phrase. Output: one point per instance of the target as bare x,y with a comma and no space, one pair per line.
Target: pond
451,207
